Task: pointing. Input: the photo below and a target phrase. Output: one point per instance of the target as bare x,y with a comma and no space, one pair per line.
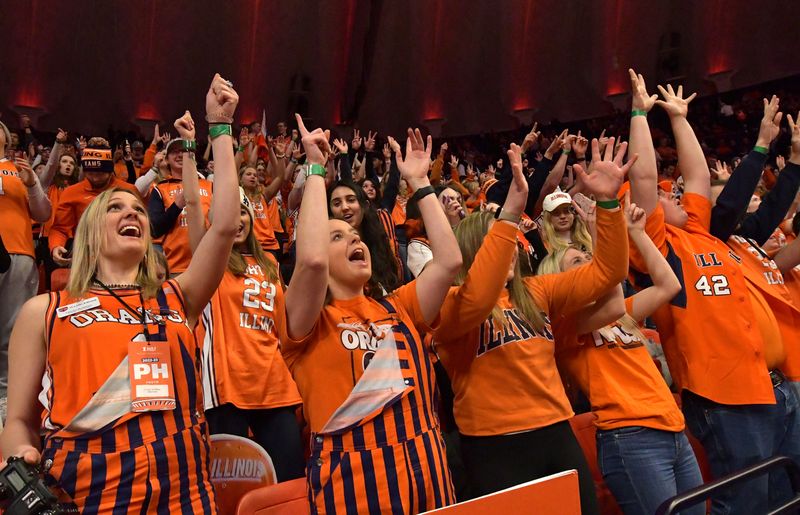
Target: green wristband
638,112
240,148
762,150
566,152
315,169
189,145
608,204
220,129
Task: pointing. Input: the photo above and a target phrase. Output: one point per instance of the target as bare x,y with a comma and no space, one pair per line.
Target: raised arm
305,295
470,304
277,167
437,276
694,169
776,204
392,188
38,201
191,185
731,205
570,291
665,282
51,168
644,174
209,261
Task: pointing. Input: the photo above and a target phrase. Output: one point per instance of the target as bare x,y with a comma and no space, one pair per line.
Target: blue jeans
735,437
644,467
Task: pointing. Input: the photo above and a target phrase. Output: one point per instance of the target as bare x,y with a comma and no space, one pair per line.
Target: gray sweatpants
17,285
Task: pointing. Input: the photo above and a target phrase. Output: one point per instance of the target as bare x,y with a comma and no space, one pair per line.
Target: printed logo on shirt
364,336
615,336
122,316
514,329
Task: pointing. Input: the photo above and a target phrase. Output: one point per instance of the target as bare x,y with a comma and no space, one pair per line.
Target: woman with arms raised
123,420
365,377
642,451
495,338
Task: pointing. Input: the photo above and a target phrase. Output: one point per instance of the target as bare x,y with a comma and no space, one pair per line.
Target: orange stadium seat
287,498
58,279
585,430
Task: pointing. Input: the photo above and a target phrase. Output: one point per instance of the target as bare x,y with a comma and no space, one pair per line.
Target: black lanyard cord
142,313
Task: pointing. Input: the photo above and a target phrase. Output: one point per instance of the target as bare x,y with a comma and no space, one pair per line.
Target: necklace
118,286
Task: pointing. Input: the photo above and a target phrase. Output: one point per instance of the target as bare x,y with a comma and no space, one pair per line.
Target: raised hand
605,176
244,136
387,152
185,126
156,135
674,103
126,152
166,138
794,127
340,145
394,145
587,212
356,143
297,149
315,143
414,167
641,100
556,145
722,170
517,195
61,136
580,145
453,161
770,122
26,174
602,140
81,144
221,101
531,138
635,216
369,143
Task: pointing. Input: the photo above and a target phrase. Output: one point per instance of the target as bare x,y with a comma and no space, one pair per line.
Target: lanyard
142,315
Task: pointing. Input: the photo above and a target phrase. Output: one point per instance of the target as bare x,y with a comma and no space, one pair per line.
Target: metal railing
708,490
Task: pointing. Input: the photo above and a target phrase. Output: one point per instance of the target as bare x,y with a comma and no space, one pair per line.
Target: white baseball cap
555,199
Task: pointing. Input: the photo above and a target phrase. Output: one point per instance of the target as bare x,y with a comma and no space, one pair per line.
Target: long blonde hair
470,234
578,233
551,264
89,240
237,264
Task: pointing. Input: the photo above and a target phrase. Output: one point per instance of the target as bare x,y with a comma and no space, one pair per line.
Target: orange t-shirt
620,378
84,348
176,240
16,228
73,202
707,329
242,363
329,361
504,377
779,310
262,225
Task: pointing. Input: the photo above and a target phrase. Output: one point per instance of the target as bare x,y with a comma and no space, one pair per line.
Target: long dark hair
378,195
384,268
62,181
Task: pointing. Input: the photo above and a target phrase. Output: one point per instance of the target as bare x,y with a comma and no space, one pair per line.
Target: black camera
23,492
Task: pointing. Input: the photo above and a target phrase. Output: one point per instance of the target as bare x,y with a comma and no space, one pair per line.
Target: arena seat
287,498
585,430
58,279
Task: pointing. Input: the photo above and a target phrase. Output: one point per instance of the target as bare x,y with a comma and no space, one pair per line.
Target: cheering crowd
401,327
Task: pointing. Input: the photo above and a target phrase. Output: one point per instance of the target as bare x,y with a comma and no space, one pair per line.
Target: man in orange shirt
98,169
21,198
713,331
